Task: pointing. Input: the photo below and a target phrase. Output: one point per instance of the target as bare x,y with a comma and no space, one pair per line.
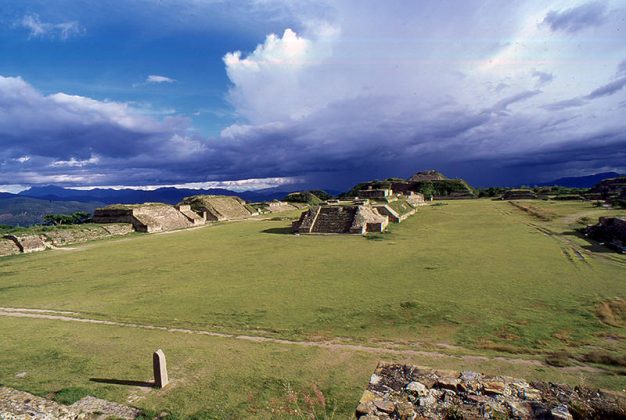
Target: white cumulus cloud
154,78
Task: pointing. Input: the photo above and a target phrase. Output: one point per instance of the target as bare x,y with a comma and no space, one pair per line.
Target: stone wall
519,195
86,233
113,214
8,247
28,243
393,216
369,220
407,392
50,238
380,193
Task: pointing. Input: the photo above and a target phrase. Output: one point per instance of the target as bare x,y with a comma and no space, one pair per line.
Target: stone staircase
334,219
159,218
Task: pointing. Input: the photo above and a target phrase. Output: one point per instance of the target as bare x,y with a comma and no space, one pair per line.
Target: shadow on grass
279,231
123,382
592,246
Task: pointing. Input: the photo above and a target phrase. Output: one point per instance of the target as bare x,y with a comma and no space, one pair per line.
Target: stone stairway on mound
161,218
229,208
334,219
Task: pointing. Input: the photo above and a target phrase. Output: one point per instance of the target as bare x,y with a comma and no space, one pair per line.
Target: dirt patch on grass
612,312
541,214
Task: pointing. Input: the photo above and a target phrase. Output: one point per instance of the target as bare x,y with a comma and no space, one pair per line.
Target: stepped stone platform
148,217
519,194
348,219
16,404
219,207
194,218
398,391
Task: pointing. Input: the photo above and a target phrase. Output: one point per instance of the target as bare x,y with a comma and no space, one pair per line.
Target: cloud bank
492,94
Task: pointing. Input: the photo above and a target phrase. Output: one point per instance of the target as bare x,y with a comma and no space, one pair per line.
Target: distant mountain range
29,206
580,181
160,195
16,210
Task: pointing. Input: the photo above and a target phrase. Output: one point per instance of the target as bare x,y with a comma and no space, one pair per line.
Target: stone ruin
397,207
519,194
608,189
149,217
280,206
371,211
274,206
27,243
17,244
349,219
398,391
8,247
376,194
16,404
219,207
610,231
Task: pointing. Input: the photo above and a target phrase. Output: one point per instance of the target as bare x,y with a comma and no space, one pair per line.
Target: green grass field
475,284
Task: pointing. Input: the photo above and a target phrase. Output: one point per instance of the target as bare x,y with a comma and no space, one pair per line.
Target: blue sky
258,93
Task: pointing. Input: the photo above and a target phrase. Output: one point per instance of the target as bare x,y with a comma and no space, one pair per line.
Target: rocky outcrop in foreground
408,392
16,404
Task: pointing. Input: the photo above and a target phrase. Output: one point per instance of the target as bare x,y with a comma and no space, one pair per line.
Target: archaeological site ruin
148,217
398,391
219,207
370,212
192,211
610,231
519,194
351,219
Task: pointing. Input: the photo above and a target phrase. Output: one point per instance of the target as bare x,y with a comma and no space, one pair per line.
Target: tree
76,218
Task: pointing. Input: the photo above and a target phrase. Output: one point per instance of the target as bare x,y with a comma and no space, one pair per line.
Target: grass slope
481,275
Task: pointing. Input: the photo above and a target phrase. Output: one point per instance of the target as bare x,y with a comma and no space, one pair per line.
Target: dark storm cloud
577,18
382,92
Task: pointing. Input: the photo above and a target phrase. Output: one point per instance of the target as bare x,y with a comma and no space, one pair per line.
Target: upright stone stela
160,369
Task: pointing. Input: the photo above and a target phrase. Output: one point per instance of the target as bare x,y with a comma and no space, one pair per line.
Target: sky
262,93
